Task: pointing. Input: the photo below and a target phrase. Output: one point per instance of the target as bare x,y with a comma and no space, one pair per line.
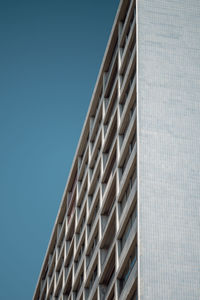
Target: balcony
61,234
83,163
68,270
108,225
129,191
110,105
68,280
51,271
127,23
97,165
78,287
109,151
81,207
60,262
131,59
92,250
43,289
95,185
83,182
127,232
80,256
127,157
72,192
128,276
109,176
71,213
96,121
128,88
113,61
95,155
110,128
107,279
92,280
95,138
93,213
126,131
80,228
130,35
59,282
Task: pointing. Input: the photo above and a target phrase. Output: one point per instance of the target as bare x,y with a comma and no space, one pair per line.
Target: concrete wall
169,149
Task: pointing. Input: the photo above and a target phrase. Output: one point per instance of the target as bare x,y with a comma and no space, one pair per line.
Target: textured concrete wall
169,149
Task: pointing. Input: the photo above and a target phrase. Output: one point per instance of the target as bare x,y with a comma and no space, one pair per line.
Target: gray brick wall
169,149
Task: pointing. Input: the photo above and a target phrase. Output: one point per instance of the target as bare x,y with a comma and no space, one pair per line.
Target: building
128,226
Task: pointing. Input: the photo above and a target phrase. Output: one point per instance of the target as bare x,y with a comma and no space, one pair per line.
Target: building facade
128,226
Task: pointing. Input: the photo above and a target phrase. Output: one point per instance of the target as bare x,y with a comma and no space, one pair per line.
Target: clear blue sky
50,56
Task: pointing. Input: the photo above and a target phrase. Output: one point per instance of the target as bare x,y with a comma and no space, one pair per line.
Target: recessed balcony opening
97,100
110,104
93,216
106,279
96,128
81,202
126,270
109,172
129,225
95,158
78,285
131,182
108,231
67,284
91,280
80,226
94,186
109,201
110,131
71,228
128,156
79,256
92,249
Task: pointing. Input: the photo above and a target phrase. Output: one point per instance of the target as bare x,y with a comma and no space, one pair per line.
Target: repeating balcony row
106,251
121,170
109,128
95,172
104,221
129,47
111,99
126,25
59,251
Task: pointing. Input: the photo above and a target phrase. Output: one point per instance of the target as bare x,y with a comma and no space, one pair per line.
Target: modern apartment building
128,226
